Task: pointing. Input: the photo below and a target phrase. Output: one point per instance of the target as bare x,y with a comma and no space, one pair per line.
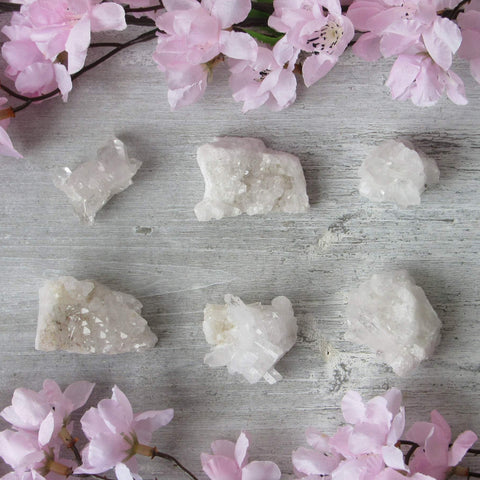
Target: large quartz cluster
88,317
243,176
91,185
396,172
392,315
250,339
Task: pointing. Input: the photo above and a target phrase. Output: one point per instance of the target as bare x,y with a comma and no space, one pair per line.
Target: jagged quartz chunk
250,339
392,315
243,176
396,172
91,185
88,317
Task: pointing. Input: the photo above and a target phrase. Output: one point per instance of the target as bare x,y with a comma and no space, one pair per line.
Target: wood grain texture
147,242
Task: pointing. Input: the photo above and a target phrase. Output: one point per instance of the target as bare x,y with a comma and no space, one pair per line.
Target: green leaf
257,14
262,37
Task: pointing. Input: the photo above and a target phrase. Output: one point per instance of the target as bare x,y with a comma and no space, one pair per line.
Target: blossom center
262,75
325,39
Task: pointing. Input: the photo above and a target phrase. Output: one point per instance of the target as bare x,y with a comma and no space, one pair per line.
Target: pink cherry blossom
264,81
194,35
230,462
116,433
418,78
142,4
316,27
469,23
393,26
21,450
65,25
434,456
361,449
46,412
33,74
391,474
6,146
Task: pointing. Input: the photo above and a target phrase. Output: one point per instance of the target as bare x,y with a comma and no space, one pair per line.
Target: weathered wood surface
147,242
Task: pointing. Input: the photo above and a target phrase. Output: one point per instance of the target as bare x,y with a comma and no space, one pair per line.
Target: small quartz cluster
250,339
243,176
88,317
392,315
396,172
91,185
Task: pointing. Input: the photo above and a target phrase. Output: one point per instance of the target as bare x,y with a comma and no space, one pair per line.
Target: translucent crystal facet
392,315
249,339
91,185
243,176
396,172
88,317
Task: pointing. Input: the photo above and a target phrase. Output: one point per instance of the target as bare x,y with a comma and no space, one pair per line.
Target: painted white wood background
147,242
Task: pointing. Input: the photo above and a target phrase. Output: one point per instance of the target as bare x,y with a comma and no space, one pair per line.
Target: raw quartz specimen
243,176
88,317
91,185
250,339
396,172
392,315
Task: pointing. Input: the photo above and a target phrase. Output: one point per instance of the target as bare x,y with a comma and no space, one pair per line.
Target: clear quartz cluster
243,176
91,185
396,172
392,315
88,317
250,339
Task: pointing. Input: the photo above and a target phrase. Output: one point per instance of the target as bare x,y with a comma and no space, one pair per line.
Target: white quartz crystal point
396,172
250,339
91,185
392,315
243,176
88,317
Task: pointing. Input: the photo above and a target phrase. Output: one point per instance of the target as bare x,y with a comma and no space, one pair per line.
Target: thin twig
75,451
144,37
153,8
172,459
141,22
6,7
453,13
263,7
105,44
409,454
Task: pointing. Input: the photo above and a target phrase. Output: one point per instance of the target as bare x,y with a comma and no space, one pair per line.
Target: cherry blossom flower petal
228,12
224,448
78,393
6,146
221,468
186,86
46,430
442,40
460,447
316,67
393,457
261,471
314,462
122,472
353,408
146,423
318,440
367,47
238,45
241,449
77,45
107,16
